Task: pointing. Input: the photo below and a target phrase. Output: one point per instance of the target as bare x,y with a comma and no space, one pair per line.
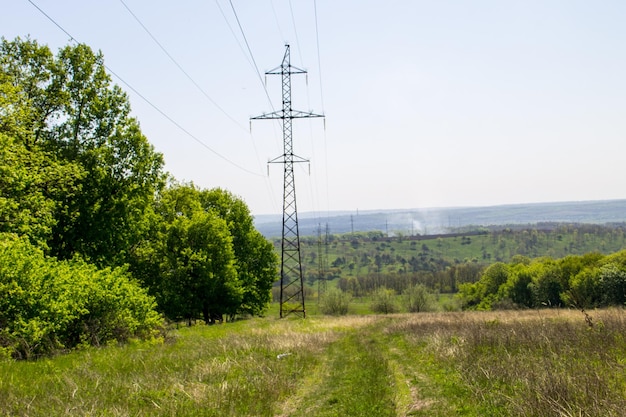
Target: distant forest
360,263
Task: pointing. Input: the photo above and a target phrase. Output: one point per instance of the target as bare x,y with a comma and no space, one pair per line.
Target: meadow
507,363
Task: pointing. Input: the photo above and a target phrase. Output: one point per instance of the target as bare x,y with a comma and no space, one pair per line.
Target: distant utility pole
291,279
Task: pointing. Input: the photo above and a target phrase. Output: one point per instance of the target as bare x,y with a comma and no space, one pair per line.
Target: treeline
82,189
580,281
447,280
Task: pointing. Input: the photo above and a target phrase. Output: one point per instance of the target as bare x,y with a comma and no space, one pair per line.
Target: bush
417,299
335,302
48,305
384,301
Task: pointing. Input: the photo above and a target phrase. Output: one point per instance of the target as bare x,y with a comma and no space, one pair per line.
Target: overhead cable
232,6
180,67
154,106
295,31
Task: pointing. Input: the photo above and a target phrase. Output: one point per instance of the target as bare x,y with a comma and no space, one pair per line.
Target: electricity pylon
291,279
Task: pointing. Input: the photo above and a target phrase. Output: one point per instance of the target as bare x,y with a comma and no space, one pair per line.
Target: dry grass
521,363
531,363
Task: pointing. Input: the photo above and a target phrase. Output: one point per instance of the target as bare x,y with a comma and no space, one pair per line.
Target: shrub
417,299
48,305
335,302
384,301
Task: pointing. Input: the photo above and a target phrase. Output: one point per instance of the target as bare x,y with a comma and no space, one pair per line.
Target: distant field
372,254
524,363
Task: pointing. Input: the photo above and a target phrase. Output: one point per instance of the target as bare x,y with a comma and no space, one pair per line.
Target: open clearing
515,363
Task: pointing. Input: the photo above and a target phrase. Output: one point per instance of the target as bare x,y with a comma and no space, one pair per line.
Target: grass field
516,363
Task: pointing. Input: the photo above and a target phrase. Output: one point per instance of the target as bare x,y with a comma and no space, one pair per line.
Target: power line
280,32
180,67
319,60
232,6
53,21
154,106
196,84
295,31
217,3
319,70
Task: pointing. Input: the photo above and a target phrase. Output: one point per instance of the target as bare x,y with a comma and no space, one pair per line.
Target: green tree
199,278
172,264
78,118
255,259
519,288
48,305
612,283
31,178
547,284
483,293
584,289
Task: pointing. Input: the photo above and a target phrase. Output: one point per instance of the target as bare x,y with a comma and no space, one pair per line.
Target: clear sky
427,103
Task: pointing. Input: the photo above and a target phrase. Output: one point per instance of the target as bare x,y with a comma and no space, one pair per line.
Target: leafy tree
518,288
200,277
547,285
612,283
31,178
79,119
494,276
255,259
584,289
203,255
483,293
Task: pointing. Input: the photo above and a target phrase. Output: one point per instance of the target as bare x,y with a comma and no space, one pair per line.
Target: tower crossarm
281,114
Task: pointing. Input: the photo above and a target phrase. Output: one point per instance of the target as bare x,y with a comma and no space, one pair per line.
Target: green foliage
199,275
612,283
363,262
335,302
99,173
32,179
78,178
586,281
384,301
255,260
418,299
48,305
203,257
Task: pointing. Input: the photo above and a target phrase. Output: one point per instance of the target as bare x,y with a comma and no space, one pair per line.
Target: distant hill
442,220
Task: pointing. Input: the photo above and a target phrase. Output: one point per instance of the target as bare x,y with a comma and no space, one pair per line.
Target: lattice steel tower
291,279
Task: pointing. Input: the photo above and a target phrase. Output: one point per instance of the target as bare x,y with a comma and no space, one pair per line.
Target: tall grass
532,363
240,369
522,363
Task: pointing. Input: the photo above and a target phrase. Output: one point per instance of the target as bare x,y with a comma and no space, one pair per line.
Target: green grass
356,381
539,363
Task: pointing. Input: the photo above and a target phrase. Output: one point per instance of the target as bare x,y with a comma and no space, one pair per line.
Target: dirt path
359,376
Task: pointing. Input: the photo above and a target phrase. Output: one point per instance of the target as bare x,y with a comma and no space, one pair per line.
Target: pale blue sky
428,103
